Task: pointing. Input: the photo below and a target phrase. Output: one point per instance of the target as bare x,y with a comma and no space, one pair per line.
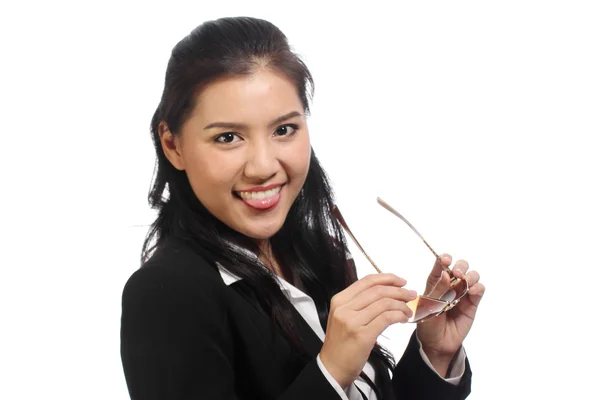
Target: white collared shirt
305,306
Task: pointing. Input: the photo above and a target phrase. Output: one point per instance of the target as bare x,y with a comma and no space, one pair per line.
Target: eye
286,130
227,137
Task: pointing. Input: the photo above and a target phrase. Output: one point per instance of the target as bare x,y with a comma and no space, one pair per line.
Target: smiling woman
246,155
246,290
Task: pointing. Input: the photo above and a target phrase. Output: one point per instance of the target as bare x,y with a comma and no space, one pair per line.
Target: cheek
299,159
306,153
209,169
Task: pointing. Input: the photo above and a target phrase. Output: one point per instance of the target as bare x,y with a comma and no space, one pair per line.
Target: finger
381,306
472,277
441,287
346,295
468,305
441,264
371,295
460,269
383,321
476,292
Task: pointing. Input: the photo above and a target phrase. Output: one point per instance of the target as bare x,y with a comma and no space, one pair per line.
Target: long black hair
318,261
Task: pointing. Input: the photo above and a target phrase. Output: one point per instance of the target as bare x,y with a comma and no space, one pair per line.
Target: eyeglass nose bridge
451,305
447,308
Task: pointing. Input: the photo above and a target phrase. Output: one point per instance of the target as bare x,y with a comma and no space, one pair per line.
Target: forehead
252,98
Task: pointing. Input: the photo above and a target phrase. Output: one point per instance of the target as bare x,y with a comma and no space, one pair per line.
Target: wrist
337,374
440,361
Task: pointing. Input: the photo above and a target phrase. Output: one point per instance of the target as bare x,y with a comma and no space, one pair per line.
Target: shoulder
174,273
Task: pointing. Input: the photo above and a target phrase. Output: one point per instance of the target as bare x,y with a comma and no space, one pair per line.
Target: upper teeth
260,195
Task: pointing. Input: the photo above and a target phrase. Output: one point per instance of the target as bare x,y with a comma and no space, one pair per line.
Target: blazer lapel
311,341
309,338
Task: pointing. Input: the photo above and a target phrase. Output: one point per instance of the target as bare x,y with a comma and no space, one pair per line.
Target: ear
171,146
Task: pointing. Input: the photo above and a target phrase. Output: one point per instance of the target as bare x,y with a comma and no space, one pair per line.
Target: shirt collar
288,289
228,277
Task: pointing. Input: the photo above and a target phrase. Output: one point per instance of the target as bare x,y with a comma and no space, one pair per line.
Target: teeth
259,195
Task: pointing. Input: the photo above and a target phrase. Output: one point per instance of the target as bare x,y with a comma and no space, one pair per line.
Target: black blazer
185,334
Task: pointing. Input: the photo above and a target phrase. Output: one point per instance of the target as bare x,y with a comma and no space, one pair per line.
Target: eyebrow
235,125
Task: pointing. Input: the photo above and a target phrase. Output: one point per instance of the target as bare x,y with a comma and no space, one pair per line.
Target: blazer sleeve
176,344
414,379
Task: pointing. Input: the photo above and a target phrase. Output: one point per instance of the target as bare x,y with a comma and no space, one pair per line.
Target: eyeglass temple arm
340,218
397,214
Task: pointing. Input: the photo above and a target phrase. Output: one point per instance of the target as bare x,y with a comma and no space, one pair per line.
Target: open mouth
261,199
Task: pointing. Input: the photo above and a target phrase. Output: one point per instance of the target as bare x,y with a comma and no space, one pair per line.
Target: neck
266,257
264,246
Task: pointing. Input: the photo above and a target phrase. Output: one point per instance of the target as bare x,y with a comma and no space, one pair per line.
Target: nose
262,161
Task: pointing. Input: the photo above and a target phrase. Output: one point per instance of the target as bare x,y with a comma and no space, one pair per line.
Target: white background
478,120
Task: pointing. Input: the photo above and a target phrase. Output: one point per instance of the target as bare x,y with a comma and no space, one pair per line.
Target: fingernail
412,294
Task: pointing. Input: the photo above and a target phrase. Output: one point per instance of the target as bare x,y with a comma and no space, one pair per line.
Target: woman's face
245,150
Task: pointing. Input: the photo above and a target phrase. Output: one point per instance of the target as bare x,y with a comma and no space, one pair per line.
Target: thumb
441,264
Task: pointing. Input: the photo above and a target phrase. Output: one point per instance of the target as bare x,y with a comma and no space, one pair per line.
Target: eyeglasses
439,300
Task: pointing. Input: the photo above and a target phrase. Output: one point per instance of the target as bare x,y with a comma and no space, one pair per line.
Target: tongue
262,204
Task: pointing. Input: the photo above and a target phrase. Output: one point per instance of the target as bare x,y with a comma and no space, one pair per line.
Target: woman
245,268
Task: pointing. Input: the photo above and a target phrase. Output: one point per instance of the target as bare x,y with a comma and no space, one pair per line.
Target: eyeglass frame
454,281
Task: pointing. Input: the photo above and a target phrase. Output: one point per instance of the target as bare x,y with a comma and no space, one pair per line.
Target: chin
262,233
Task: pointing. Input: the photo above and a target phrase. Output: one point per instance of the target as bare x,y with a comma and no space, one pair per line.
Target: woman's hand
357,316
443,335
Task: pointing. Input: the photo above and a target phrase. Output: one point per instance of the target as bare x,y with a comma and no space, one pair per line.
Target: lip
260,188
265,204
